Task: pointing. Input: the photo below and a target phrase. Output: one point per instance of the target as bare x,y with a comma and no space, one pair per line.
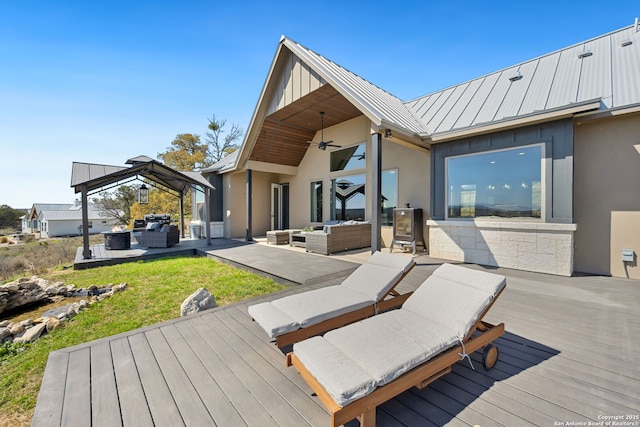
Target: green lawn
156,290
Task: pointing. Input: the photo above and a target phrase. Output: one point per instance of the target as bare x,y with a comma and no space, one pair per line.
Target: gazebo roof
95,176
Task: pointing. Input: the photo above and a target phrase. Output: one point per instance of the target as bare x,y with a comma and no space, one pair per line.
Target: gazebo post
86,252
181,207
207,223
376,191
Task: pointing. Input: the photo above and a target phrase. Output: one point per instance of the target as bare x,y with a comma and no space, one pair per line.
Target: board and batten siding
296,80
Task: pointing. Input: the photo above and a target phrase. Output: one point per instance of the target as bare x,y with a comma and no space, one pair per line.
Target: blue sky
102,82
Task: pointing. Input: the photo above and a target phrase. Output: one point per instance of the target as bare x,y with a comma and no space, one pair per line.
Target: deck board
134,409
570,353
162,406
77,395
105,410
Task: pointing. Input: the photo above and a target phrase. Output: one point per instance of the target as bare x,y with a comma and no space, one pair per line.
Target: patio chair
368,290
355,368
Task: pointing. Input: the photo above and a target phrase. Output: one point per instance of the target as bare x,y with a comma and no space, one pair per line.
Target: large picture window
348,198
502,183
316,201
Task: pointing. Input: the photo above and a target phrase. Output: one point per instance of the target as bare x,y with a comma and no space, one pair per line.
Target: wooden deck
570,354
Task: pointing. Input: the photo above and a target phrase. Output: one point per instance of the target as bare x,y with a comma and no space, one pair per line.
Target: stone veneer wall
530,246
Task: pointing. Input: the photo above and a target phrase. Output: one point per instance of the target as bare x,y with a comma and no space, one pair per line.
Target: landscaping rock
27,289
31,334
4,332
52,323
198,301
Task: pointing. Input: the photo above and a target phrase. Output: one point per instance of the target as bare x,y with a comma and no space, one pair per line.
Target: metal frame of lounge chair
384,304
364,409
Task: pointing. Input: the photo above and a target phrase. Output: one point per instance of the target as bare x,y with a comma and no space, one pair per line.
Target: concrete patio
570,354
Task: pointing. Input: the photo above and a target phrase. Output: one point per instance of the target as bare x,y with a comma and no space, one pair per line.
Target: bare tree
117,205
220,146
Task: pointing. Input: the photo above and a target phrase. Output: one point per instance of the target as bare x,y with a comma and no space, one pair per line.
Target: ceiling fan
323,144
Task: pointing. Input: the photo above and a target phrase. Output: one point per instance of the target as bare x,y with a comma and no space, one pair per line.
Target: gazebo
90,178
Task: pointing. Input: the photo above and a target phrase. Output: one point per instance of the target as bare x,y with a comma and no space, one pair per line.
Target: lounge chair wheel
490,356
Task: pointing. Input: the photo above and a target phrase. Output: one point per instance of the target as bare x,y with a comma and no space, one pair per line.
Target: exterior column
376,192
86,252
207,207
249,206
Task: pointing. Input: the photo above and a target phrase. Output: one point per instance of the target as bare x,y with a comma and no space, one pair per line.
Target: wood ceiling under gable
284,134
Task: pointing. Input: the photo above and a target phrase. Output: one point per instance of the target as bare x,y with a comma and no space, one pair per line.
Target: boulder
32,334
198,301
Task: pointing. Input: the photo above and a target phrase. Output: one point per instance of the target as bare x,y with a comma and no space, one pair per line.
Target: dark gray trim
557,137
86,252
249,206
376,192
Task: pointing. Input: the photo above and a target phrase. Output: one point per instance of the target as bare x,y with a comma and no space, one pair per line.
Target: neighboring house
533,167
31,222
58,220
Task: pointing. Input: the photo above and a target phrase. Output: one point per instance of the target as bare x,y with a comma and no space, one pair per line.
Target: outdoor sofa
339,237
355,368
367,291
156,235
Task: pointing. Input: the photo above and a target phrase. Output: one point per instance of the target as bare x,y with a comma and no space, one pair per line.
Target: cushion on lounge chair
388,345
272,320
373,280
481,280
455,305
389,260
369,283
311,307
343,379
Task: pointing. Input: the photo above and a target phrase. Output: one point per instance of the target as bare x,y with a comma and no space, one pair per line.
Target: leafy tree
9,217
161,202
220,146
186,153
117,205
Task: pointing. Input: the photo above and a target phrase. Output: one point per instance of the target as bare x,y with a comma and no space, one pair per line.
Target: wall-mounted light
388,134
143,195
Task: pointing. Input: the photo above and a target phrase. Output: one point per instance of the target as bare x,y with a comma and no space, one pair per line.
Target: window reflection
348,158
348,198
389,195
505,183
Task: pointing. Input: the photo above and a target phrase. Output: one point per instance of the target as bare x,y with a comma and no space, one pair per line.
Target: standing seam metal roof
602,68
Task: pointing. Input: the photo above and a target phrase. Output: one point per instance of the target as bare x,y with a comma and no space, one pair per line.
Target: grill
117,240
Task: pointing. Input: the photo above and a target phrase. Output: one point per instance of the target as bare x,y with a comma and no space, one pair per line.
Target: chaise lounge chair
362,294
355,368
